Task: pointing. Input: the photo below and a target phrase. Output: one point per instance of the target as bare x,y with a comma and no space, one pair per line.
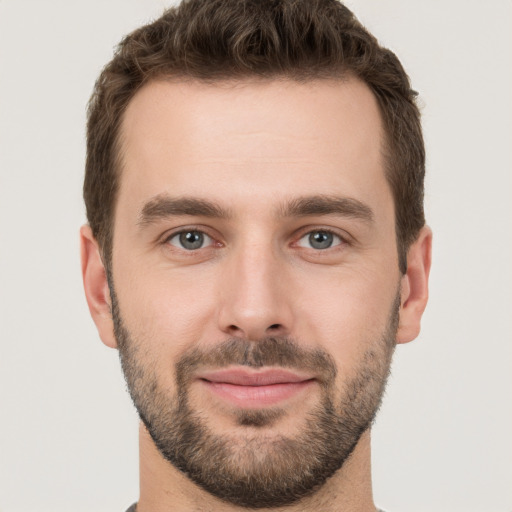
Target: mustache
270,351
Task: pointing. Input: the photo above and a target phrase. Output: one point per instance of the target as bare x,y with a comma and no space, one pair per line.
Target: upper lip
245,377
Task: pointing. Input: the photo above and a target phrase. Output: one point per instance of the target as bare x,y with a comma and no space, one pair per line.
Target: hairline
340,75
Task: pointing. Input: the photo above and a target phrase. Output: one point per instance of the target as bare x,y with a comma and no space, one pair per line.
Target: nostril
254,332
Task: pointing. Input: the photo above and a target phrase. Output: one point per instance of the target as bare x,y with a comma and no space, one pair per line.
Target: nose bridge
253,304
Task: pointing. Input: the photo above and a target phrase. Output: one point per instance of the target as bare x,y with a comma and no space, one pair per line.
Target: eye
319,240
190,240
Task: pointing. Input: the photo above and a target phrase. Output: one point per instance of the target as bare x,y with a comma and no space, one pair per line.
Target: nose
253,302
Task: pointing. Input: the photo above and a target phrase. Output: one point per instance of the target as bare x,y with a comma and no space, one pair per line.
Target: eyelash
343,241
192,229
335,234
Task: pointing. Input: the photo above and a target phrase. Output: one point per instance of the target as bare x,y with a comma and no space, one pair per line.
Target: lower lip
257,396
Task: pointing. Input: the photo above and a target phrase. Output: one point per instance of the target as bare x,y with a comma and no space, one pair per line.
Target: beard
257,469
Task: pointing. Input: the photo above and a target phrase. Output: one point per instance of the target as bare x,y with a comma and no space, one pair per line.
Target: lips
253,389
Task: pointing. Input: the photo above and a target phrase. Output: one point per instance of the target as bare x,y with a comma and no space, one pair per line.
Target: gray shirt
133,508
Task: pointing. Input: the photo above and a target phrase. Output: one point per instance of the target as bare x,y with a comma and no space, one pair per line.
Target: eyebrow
328,205
164,206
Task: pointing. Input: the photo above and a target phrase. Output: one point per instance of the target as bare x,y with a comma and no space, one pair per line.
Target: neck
164,488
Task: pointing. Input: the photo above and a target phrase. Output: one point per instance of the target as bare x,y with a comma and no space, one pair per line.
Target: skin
251,148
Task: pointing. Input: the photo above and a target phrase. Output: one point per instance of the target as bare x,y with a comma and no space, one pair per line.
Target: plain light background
68,432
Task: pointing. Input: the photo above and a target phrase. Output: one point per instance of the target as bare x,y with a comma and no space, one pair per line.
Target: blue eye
320,240
190,240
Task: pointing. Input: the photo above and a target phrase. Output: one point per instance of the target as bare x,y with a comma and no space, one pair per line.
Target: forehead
256,140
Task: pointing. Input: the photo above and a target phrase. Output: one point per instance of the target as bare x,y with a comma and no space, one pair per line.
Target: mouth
255,389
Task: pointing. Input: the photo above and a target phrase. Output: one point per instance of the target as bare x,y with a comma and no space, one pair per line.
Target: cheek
347,313
166,310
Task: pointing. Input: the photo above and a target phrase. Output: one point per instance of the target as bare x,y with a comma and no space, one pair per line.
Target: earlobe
96,287
414,286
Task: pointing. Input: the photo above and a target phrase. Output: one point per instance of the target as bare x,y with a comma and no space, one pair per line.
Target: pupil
320,240
191,240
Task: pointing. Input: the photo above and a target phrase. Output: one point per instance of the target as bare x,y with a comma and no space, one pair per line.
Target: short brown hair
214,40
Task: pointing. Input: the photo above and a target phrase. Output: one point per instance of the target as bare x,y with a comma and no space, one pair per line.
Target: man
256,248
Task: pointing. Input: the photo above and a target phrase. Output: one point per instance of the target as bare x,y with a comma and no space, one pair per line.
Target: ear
96,287
414,286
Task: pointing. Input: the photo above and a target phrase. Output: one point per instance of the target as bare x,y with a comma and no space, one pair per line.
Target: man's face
255,279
